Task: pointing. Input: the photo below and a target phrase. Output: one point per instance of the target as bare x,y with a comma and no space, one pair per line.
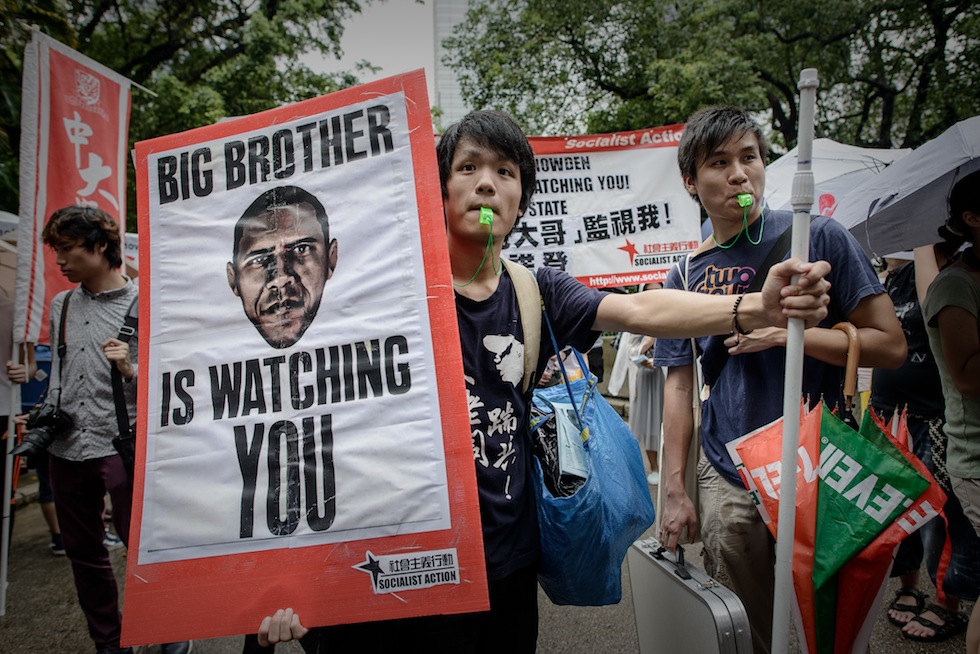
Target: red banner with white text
74,134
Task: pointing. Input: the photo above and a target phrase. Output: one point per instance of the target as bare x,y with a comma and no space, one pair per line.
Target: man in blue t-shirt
486,167
722,156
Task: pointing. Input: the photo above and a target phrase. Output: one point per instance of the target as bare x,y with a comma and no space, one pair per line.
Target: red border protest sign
303,424
610,209
75,125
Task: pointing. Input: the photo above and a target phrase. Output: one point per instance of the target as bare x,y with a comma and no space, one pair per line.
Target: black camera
45,423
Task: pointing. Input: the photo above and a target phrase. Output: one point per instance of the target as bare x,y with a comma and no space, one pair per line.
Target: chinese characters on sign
78,132
610,210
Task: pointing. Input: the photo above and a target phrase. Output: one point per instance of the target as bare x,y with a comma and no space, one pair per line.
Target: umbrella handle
853,356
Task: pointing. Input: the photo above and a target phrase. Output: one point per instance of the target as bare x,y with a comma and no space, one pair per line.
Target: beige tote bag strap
529,306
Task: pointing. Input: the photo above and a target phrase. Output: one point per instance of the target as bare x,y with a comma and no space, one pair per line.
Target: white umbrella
837,168
902,208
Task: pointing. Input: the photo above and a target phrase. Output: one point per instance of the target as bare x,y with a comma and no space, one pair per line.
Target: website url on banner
601,281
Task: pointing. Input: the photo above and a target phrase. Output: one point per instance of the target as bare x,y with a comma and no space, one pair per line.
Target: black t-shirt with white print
493,362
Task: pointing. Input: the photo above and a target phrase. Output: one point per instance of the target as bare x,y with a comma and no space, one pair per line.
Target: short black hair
965,196
90,224
281,196
708,129
495,130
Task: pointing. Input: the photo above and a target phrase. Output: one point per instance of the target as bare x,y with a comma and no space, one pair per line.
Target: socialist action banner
302,405
609,209
74,140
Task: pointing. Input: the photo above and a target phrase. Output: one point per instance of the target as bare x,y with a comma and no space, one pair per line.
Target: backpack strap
529,306
62,346
126,332
130,322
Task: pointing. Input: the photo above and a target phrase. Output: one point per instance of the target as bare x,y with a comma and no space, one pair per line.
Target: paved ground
42,614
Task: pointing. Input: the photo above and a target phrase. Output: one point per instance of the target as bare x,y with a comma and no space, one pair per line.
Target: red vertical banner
74,137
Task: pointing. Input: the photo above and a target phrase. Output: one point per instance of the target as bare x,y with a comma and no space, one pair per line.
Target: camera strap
62,346
126,332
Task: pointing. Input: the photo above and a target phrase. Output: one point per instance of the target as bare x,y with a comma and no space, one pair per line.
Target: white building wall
447,14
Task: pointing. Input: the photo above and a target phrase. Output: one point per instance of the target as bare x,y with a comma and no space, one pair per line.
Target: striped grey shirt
84,376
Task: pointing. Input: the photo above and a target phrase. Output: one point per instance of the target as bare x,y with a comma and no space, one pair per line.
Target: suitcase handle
680,567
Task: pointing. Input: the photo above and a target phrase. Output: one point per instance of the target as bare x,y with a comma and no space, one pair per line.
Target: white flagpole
8,463
802,199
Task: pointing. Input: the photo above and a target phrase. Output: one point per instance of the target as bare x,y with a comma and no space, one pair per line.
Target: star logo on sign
629,249
371,565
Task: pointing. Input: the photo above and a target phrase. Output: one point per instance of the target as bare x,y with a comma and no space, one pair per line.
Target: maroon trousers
79,488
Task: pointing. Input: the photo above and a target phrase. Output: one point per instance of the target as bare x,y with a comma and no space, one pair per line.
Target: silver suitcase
681,610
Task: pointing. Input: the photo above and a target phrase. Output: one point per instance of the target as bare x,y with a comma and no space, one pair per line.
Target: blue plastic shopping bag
585,536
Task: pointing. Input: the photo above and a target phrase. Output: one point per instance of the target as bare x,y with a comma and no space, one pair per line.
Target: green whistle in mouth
744,200
486,215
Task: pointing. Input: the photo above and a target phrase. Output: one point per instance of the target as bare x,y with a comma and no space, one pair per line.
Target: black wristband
737,328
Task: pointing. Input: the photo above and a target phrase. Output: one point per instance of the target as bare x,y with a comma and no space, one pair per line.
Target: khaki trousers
738,551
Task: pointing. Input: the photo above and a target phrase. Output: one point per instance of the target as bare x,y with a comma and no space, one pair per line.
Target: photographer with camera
77,422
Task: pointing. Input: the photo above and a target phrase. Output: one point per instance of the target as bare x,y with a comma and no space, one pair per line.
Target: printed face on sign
282,259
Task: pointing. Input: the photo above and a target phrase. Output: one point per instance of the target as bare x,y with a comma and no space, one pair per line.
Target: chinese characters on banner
307,444
74,131
609,209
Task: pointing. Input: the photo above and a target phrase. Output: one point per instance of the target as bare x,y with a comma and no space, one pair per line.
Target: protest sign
74,138
301,393
609,209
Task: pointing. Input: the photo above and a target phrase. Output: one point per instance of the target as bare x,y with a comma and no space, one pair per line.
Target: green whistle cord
488,250
744,201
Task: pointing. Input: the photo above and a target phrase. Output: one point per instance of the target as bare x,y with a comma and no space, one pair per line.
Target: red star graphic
629,249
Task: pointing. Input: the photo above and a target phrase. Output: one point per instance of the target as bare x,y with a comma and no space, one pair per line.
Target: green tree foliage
892,72
205,59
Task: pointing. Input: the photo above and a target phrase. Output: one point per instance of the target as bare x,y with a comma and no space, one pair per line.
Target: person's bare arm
21,373
926,269
679,314
117,352
679,511
883,343
646,344
961,348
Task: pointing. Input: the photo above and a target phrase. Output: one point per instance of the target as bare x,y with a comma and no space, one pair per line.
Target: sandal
916,609
953,623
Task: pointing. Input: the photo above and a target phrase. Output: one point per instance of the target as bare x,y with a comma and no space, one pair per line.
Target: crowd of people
734,329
